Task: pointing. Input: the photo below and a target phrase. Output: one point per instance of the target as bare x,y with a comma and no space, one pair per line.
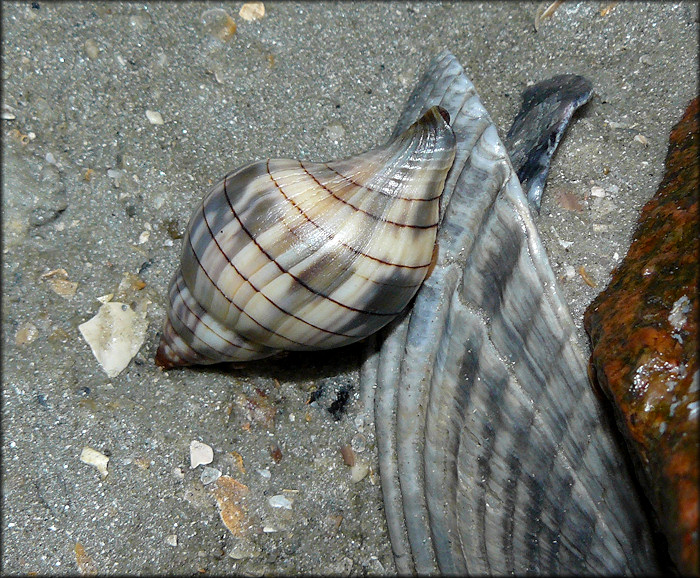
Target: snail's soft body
292,255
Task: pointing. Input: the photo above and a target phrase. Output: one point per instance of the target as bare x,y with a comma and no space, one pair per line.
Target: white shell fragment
154,117
59,283
200,454
280,501
115,335
252,11
359,471
95,459
7,113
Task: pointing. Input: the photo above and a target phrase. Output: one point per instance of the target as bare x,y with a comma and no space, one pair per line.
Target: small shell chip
641,139
115,335
95,459
154,117
252,11
200,454
27,333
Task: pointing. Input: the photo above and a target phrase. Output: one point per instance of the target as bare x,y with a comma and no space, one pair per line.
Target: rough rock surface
643,328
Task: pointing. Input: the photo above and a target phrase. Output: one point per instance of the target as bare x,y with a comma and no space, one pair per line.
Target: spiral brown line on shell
371,215
295,277
247,280
330,235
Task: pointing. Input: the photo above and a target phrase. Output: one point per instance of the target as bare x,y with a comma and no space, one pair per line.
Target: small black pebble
145,265
337,408
35,6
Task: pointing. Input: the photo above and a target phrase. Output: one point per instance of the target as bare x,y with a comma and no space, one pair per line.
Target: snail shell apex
292,255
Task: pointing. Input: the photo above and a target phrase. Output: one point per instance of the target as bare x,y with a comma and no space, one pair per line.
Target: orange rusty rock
643,329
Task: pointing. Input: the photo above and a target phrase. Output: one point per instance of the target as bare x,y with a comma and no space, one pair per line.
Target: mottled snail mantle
291,255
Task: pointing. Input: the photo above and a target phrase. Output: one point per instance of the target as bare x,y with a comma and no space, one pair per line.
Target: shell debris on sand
115,335
58,280
200,454
154,117
230,496
252,11
218,23
209,475
86,565
96,459
26,333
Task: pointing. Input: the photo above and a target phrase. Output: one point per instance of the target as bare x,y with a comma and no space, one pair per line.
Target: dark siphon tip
444,114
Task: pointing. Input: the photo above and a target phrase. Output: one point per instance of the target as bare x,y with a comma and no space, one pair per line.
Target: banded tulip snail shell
292,255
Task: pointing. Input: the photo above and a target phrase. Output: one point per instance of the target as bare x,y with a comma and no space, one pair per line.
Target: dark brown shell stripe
290,255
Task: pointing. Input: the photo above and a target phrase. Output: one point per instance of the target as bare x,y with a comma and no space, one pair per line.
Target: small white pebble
143,237
598,192
265,473
171,540
200,454
154,117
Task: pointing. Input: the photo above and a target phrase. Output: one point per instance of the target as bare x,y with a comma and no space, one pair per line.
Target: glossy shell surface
291,255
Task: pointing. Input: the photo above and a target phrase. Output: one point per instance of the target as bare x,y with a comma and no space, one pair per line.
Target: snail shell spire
292,255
